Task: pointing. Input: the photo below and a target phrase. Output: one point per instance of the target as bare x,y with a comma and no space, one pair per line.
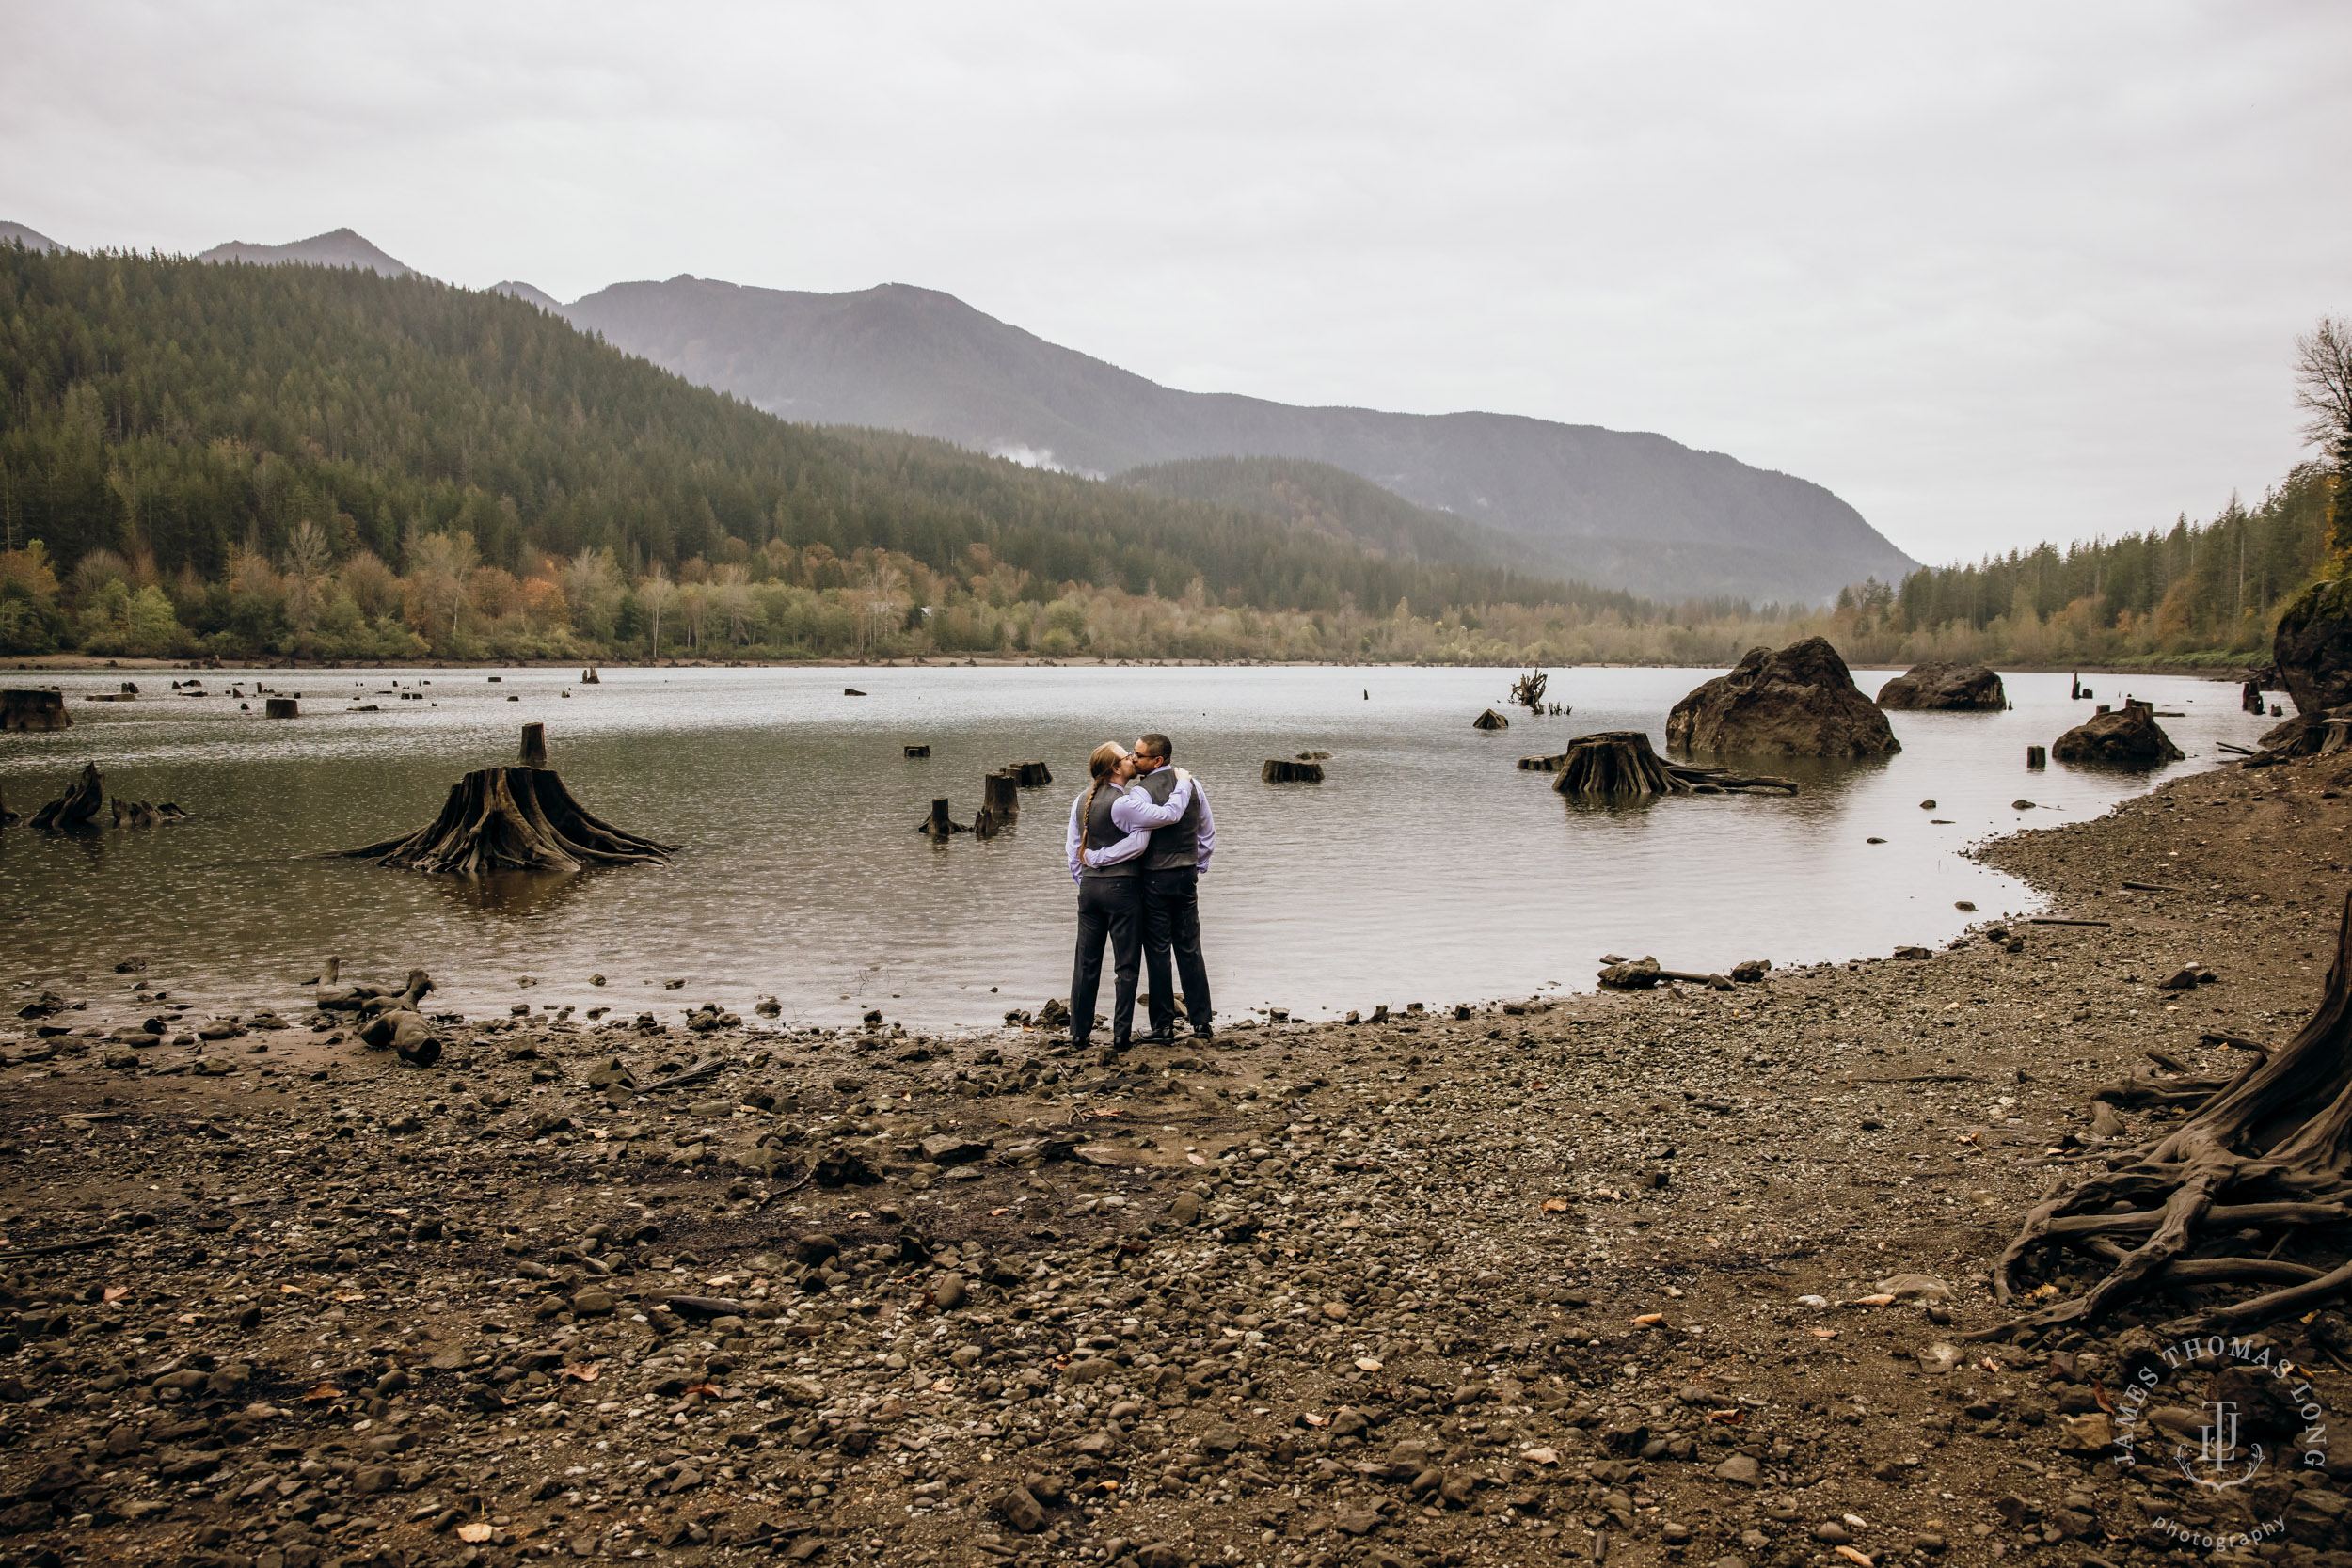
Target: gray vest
1102,833
1176,847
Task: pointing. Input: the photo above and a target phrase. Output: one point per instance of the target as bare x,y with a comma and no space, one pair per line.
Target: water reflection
514,895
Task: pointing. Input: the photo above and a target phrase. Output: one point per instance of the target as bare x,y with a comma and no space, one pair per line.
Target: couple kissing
1140,837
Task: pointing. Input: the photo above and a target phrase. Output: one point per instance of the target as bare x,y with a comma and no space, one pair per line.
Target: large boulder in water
2128,737
1951,687
2313,647
1801,701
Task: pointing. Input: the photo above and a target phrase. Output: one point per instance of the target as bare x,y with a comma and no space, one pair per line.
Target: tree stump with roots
1615,764
1620,765
2254,1187
512,820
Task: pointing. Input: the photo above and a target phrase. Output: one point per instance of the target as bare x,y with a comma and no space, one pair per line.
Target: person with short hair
1173,865
1110,829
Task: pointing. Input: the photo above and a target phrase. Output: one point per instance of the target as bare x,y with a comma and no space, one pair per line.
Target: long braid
1101,764
1086,819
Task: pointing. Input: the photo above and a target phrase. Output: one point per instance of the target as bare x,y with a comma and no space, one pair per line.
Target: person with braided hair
1111,826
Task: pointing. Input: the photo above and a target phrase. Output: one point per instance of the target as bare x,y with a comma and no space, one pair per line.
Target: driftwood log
77,805
1001,803
512,820
394,1021
938,825
1620,765
2254,1186
1278,771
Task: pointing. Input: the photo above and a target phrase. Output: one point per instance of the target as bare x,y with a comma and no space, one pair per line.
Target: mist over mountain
1628,509
338,248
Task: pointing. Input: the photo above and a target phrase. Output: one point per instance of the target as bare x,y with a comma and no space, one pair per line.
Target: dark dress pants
1110,908
1172,929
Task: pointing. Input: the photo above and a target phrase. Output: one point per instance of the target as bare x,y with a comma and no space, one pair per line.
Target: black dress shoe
1203,1035
1122,1044
1157,1036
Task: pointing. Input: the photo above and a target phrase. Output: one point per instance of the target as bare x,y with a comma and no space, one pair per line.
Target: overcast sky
1993,273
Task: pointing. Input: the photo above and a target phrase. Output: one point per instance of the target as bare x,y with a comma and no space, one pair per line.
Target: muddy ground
1568,1283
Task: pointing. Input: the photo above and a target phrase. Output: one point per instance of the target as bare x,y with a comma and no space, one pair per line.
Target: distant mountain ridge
1628,509
1317,497
30,239
337,247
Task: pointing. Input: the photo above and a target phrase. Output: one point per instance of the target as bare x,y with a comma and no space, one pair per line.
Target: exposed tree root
77,805
2262,1163
512,820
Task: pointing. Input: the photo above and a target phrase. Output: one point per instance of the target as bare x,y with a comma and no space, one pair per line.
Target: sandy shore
1512,1286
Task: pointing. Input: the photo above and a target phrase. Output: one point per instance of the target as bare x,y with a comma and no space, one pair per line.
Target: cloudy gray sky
1993,272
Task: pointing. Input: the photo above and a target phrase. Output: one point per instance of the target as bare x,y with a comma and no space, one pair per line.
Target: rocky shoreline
1674,1276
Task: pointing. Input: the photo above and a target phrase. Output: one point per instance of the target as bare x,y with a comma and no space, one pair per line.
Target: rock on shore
2313,647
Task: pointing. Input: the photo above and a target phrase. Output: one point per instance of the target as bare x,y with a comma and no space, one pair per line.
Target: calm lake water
1426,868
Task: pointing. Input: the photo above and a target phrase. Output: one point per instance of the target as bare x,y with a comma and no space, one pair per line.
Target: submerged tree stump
534,751
1278,771
2254,1187
1031,775
1615,764
1620,765
1000,804
34,710
938,825
918,750
280,708
77,805
512,820
1490,719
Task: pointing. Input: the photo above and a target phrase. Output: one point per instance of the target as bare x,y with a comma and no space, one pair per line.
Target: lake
1425,868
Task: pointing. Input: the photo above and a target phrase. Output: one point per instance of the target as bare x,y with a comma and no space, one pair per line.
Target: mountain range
1626,509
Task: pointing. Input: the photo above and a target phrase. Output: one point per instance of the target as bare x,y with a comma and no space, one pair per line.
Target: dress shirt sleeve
1077,834
1207,834
1135,808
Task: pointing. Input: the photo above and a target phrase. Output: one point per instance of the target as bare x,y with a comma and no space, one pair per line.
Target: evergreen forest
246,461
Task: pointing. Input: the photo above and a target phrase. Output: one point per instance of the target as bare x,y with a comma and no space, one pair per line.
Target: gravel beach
1674,1276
